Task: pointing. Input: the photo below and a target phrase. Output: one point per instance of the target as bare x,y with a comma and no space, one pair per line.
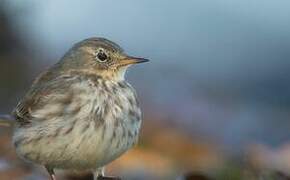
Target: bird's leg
50,172
99,174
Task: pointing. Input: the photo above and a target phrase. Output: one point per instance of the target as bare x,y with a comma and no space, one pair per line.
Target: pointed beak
132,60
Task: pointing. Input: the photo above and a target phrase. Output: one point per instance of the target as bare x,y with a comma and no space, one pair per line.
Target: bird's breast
116,118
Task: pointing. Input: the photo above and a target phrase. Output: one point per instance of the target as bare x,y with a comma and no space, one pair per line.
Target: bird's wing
46,96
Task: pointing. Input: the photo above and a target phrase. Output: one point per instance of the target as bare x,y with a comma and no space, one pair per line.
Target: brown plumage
81,113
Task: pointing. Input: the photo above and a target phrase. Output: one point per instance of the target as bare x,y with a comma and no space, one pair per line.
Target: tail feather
6,120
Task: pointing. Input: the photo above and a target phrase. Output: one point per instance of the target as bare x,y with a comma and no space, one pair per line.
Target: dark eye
102,56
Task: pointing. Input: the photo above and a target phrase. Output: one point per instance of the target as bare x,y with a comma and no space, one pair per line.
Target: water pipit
80,114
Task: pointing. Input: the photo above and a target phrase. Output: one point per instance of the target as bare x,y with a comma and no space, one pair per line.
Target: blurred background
215,96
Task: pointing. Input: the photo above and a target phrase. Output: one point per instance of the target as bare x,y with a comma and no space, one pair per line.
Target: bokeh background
215,96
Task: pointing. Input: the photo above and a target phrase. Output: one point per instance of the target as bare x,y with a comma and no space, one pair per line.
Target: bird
80,113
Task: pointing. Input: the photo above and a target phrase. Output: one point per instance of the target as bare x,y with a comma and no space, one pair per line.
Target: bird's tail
6,120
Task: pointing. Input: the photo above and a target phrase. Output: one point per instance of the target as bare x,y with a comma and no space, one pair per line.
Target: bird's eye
102,56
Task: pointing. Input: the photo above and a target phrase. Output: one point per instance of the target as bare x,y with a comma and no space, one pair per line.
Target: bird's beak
132,60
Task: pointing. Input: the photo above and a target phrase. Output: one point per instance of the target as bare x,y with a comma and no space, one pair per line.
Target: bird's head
99,56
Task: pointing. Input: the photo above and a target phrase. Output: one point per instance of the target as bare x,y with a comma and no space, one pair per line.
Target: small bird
79,114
